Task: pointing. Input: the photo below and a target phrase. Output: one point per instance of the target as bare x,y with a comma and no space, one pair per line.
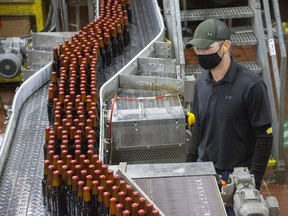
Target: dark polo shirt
228,110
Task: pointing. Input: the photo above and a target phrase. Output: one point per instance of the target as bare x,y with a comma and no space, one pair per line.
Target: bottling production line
143,99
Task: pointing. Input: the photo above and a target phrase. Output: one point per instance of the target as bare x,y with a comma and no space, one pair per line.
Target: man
231,105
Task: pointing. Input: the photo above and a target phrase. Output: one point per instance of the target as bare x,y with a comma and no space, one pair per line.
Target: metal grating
236,39
184,195
217,13
134,104
196,69
139,155
243,39
20,182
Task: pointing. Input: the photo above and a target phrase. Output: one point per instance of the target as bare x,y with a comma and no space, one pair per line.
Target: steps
217,13
227,14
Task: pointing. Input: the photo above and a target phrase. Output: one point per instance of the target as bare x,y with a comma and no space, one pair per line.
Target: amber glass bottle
119,209
86,210
79,199
114,41
69,193
112,209
126,32
129,11
120,39
108,50
100,199
44,181
50,105
56,201
102,52
95,192
56,62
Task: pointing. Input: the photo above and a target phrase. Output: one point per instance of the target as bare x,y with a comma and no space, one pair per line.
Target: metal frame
279,98
112,85
283,69
30,8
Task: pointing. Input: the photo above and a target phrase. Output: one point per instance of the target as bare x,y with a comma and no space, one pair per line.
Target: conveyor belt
20,183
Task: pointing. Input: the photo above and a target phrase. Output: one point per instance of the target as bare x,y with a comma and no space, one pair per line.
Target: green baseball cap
207,32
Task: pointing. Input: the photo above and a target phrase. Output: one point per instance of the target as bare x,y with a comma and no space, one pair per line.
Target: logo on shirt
228,97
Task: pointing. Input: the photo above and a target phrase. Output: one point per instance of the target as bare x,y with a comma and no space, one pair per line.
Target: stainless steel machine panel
181,189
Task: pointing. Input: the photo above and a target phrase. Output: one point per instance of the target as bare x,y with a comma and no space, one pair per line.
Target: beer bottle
129,12
106,209
69,193
79,199
117,180
126,213
120,39
55,83
123,5
95,192
112,209
149,209
102,52
121,195
109,185
56,62
56,204
129,191
108,50
142,203
86,210
136,197
115,192
44,182
128,203
50,105
103,181
114,41
74,195
49,185
134,209
100,200
119,209
141,212
126,32
155,212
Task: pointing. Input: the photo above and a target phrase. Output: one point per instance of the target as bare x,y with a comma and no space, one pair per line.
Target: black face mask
210,61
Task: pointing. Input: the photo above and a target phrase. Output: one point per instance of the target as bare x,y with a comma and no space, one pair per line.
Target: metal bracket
162,49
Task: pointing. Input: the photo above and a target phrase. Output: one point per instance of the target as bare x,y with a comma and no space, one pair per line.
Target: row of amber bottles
85,186
78,65
75,180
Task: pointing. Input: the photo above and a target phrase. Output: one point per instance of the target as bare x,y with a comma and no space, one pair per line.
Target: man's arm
264,140
192,154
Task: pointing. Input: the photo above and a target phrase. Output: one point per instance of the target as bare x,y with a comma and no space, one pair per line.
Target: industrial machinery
143,99
12,53
240,193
